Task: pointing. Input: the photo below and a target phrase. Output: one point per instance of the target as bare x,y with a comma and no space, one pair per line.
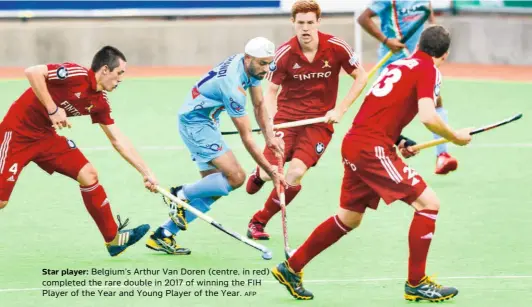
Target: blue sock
442,147
202,204
210,186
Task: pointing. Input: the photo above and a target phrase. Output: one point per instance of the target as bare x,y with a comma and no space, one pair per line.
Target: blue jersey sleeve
234,98
378,6
255,82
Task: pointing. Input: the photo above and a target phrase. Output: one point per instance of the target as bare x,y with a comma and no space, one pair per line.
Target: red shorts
306,143
372,173
52,153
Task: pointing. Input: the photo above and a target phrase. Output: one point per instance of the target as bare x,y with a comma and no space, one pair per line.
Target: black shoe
292,281
125,237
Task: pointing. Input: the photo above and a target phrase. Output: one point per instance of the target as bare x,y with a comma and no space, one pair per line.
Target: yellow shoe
292,281
428,290
165,244
177,212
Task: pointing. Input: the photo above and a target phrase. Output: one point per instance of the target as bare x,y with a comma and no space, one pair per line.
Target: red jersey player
27,135
372,169
307,67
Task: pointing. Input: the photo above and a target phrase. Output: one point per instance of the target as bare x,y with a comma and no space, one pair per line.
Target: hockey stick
476,131
403,40
298,123
282,203
266,253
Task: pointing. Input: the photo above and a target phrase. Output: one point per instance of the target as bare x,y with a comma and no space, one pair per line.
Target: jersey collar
92,80
422,55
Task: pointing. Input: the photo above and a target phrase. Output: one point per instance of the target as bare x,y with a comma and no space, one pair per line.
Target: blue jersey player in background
223,88
397,17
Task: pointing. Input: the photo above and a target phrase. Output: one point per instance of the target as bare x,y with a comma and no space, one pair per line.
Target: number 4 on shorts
14,168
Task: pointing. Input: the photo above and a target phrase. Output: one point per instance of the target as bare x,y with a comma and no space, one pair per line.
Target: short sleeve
345,54
102,111
378,6
278,67
428,82
66,74
234,98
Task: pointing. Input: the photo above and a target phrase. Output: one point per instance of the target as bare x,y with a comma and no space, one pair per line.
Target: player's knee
3,203
433,205
237,178
427,201
350,219
295,174
88,175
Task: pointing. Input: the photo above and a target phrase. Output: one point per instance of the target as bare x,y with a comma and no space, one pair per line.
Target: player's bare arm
262,117
243,126
126,149
433,122
366,22
361,79
37,76
432,17
270,99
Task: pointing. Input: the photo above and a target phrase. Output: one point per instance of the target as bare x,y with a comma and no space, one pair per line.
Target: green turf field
482,243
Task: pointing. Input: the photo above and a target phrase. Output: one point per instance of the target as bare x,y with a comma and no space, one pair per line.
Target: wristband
408,142
385,40
57,109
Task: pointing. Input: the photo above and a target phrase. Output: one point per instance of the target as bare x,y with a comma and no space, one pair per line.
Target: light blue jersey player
224,88
221,89
397,18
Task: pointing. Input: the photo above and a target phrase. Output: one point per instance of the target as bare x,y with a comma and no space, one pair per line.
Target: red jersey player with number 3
307,67
27,135
372,169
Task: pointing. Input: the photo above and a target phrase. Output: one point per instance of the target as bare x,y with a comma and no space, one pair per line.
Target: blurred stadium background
482,243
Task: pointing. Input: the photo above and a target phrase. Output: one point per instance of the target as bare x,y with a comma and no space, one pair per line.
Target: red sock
271,207
320,239
98,206
419,238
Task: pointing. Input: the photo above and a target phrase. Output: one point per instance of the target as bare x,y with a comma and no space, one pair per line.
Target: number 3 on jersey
384,84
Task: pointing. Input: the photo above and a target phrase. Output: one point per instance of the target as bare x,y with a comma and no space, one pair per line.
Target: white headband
260,47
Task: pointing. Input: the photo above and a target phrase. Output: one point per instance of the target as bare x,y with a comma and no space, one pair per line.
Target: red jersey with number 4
392,101
72,88
309,89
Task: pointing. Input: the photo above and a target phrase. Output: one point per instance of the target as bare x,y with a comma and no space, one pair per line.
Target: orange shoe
445,164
